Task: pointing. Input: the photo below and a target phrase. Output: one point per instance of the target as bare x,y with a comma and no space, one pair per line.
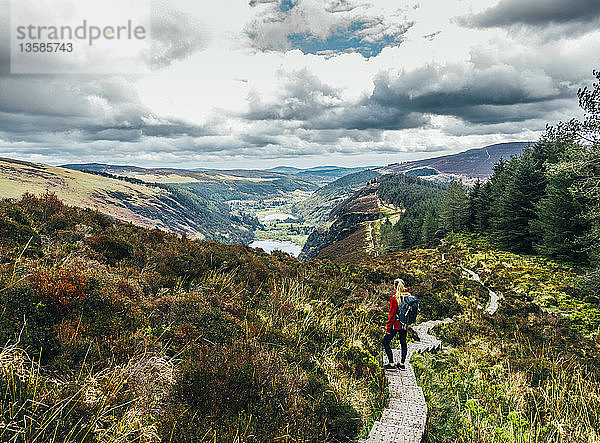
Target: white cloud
220,97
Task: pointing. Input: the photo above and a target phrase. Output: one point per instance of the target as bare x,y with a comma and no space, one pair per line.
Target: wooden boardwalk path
493,304
403,421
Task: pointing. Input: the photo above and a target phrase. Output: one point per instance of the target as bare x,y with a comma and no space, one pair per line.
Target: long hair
399,289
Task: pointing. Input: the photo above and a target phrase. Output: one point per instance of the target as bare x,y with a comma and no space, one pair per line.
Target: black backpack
408,310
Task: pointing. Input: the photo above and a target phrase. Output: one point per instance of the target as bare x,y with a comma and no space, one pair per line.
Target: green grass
523,375
552,286
118,333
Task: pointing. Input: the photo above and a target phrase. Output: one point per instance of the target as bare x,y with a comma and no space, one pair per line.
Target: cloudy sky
260,83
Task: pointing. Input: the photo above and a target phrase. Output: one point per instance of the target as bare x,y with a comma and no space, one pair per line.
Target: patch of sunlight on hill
80,189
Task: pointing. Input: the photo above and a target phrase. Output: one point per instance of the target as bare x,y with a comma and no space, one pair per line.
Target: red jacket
392,323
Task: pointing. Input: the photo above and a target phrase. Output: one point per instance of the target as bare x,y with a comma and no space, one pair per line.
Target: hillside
216,185
316,208
214,190
359,226
345,220
135,202
474,163
138,335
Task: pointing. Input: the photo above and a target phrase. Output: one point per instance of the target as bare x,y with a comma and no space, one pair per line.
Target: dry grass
117,404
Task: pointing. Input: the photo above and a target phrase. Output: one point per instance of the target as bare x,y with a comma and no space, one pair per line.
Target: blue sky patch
343,41
286,5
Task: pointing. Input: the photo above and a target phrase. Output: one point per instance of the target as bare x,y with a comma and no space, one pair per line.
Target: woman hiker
394,327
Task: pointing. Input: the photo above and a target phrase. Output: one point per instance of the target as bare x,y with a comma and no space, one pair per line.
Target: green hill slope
173,202
353,229
120,333
316,208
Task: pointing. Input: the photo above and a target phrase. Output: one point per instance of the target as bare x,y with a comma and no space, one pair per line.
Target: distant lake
272,245
275,216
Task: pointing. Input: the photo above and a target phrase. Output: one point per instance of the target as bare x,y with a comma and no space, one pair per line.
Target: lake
272,245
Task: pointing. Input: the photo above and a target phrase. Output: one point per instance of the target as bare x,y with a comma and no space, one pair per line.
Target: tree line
545,202
420,201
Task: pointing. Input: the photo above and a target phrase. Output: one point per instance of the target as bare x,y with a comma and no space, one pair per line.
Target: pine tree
497,187
560,225
430,224
455,209
483,206
474,198
515,207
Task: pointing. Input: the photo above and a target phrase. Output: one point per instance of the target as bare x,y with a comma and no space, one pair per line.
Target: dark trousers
388,339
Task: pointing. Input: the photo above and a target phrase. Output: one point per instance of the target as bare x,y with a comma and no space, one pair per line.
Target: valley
277,227
260,346
285,205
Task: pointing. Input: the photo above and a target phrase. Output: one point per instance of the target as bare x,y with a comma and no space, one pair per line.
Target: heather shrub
41,209
59,289
58,222
226,387
13,233
111,248
357,361
26,320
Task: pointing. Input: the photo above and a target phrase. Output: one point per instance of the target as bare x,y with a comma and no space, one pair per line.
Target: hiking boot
389,366
401,366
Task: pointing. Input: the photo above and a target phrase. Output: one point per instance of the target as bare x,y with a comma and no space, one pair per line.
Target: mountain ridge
476,163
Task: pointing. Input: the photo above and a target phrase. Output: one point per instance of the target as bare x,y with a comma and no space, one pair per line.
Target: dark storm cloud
536,13
332,136
136,132
56,96
487,95
305,98
87,108
477,95
369,115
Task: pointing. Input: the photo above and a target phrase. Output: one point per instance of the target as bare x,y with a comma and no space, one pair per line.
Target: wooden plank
401,380
408,393
415,408
385,433
399,418
405,418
